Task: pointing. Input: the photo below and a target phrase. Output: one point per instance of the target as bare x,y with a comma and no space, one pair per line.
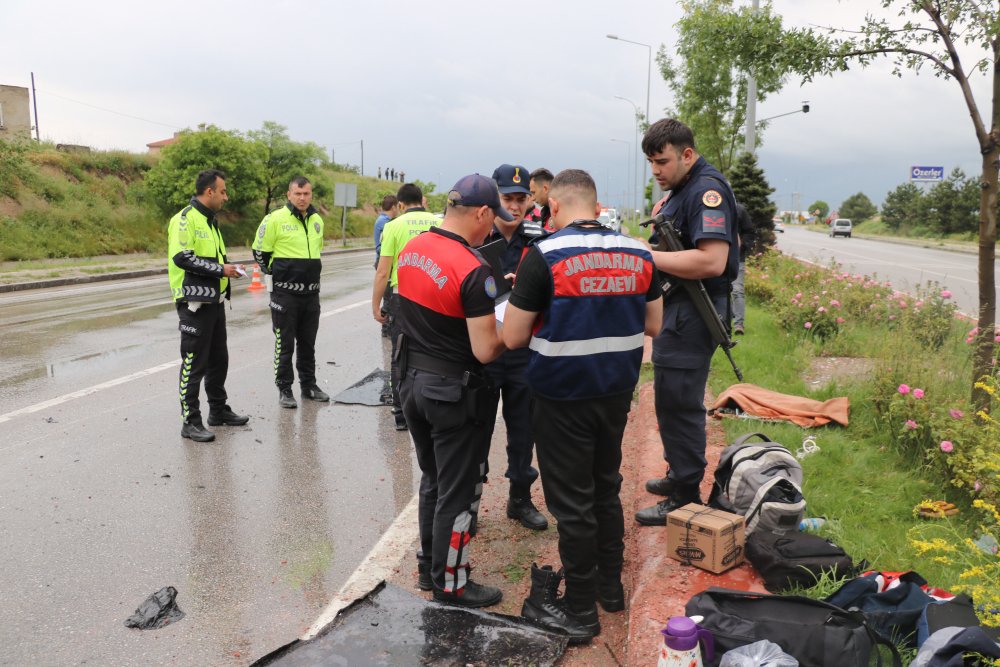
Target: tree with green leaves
285,159
753,191
903,207
858,208
951,206
709,79
820,209
170,183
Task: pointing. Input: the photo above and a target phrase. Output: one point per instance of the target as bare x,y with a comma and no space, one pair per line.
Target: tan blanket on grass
766,404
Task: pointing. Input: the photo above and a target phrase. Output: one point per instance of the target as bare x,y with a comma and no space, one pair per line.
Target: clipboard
493,252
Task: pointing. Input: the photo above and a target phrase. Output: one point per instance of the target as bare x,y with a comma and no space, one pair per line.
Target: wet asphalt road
102,502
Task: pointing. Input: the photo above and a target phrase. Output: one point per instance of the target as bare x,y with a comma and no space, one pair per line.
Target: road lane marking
377,566
88,391
80,393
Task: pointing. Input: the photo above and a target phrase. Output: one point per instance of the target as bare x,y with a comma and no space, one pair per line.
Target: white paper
501,307
241,271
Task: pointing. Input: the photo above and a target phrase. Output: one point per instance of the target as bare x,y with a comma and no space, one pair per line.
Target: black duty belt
429,364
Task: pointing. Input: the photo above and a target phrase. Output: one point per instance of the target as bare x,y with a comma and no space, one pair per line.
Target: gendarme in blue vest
589,342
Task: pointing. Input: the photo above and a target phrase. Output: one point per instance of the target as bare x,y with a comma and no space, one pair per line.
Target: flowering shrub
980,567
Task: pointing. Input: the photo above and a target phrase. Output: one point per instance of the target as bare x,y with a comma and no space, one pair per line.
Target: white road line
384,557
88,391
80,393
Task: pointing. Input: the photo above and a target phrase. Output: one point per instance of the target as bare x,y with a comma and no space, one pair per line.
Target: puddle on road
392,627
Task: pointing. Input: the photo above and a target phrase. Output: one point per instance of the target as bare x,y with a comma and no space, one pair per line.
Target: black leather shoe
472,596
610,593
286,399
400,421
314,393
661,486
227,418
556,616
424,581
525,511
657,514
196,432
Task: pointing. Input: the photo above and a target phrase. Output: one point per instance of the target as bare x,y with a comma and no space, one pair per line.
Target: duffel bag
815,633
795,559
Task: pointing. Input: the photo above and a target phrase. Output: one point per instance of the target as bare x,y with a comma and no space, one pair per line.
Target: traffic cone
255,282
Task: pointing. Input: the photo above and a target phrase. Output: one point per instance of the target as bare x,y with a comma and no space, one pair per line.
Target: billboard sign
926,174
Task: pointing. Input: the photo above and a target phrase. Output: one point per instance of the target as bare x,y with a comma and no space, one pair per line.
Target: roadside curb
661,586
126,275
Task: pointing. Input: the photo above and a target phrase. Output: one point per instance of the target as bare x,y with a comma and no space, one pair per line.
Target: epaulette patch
532,229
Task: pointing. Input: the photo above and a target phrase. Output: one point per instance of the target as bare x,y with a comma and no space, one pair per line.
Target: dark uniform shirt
703,207
525,233
442,282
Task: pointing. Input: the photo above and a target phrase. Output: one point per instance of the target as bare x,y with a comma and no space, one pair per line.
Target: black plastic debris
392,627
373,389
158,610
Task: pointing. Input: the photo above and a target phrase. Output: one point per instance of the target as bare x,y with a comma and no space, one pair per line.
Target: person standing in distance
387,213
414,220
199,276
703,210
584,300
744,226
508,371
448,331
541,181
288,246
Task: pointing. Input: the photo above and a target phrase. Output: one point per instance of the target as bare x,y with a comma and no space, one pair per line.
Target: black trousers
580,454
295,320
508,374
204,354
679,398
451,445
392,309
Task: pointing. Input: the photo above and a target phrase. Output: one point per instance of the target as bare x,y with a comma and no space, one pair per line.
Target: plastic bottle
682,641
812,523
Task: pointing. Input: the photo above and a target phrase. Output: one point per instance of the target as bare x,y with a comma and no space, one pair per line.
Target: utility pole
751,124
34,98
362,157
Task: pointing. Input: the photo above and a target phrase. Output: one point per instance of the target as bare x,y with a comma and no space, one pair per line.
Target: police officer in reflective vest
199,282
703,209
288,246
584,300
446,316
508,371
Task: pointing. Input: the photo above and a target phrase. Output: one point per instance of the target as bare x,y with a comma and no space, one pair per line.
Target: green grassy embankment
62,204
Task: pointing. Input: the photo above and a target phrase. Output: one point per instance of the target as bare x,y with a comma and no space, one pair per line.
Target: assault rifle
670,241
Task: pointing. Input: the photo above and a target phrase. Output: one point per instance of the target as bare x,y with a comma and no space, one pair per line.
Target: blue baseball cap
476,190
511,178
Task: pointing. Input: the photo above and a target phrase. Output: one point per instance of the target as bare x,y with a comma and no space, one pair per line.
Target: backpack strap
746,436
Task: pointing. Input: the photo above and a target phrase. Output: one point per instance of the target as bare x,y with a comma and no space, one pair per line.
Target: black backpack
795,559
815,633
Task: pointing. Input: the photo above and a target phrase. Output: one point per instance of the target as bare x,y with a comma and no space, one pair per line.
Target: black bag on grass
795,559
892,613
815,633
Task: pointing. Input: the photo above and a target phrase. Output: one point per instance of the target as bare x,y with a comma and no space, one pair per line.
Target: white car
779,228
609,218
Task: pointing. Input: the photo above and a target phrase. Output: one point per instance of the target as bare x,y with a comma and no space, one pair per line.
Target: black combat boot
520,507
226,417
656,515
314,393
286,399
544,606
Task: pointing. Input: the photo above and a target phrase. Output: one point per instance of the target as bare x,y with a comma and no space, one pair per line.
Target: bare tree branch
900,49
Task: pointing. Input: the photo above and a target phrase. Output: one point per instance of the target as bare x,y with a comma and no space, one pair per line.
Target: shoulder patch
316,227
491,287
711,198
262,230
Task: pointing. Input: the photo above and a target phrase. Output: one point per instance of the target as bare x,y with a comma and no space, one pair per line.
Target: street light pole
649,83
635,169
628,156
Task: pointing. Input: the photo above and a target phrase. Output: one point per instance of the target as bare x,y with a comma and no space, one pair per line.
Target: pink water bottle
682,640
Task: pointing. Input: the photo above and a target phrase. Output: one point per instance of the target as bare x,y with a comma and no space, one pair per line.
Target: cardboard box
705,537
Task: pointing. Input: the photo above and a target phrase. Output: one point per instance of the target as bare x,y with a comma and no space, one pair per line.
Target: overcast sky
439,89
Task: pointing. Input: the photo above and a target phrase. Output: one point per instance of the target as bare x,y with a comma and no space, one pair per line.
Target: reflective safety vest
589,341
288,247
195,255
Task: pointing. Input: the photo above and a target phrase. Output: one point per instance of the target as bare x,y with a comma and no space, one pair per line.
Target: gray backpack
762,482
